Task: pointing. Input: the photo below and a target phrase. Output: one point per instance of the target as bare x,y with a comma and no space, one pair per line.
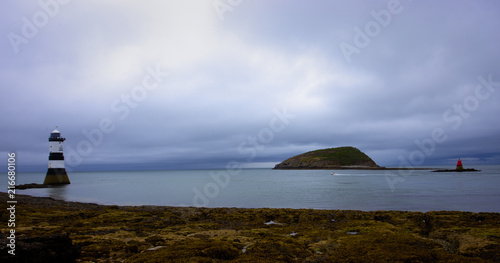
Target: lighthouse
459,165
56,174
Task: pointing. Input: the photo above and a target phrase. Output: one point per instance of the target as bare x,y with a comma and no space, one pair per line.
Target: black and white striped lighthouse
56,174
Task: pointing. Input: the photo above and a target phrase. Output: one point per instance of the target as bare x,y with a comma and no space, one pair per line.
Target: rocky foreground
56,231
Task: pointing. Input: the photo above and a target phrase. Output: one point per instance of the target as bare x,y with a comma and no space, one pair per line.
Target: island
346,157
339,158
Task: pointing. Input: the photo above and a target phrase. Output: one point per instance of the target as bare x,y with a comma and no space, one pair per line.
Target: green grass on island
343,155
331,158
187,234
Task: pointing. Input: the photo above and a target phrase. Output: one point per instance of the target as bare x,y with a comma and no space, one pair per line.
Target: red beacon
459,165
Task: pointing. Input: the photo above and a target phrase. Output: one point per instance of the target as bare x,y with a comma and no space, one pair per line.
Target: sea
367,190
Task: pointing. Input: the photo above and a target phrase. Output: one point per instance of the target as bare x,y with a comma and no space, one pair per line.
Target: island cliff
346,157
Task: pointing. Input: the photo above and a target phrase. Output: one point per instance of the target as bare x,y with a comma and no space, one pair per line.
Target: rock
347,157
155,248
54,249
32,185
457,170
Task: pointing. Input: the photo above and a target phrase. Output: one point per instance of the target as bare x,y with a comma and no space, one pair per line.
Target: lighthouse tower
459,165
56,174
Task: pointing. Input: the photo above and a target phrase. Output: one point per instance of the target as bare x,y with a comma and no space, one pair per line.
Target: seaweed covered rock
346,157
194,250
53,248
189,234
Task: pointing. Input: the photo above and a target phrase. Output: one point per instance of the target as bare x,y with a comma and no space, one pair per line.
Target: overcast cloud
249,81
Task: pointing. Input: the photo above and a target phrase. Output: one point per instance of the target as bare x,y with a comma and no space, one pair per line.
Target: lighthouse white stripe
56,164
55,146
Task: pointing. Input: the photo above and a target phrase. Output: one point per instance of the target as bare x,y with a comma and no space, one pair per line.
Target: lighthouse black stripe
58,139
56,156
56,171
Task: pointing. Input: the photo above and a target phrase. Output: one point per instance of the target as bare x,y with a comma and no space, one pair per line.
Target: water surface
367,190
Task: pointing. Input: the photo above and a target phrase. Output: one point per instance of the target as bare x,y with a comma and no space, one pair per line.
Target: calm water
255,188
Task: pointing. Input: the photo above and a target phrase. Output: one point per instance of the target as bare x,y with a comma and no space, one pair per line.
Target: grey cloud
227,78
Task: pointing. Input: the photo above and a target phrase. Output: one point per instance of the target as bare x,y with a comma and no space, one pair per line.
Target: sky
195,84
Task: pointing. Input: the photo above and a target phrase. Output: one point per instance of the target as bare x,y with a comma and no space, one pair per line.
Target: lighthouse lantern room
56,174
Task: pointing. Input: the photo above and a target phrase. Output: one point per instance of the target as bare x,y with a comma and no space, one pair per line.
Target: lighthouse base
56,176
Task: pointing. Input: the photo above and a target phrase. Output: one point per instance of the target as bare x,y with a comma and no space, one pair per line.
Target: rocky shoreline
99,233
356,168
457,171
32,185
